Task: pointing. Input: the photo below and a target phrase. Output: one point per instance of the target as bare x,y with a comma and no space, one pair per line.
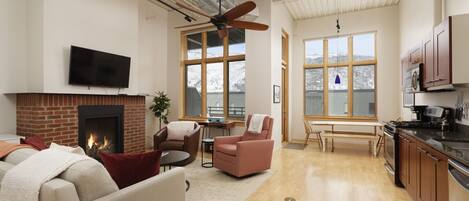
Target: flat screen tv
94,68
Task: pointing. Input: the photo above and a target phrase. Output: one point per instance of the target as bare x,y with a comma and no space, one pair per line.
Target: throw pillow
178,129
73,150
35,141
129,169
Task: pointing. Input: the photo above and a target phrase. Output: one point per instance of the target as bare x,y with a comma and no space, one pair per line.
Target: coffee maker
419,112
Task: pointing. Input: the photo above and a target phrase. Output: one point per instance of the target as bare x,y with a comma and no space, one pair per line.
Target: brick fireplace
55,117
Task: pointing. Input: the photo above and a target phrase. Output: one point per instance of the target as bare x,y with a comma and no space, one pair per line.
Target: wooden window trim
225,59
349,64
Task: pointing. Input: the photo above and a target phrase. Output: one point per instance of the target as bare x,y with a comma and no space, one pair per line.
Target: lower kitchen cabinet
424,171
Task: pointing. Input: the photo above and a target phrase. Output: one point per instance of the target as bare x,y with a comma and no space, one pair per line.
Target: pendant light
337,77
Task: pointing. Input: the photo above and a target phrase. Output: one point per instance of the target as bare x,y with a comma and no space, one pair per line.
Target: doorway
285,96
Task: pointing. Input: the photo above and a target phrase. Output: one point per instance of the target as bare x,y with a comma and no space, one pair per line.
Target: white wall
281,20
414,28
12,63
382,20
152,55
109,26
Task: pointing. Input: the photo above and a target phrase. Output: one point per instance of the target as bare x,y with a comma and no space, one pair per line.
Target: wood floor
350,173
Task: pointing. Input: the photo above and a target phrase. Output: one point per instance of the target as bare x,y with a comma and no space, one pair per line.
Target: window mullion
325,78
204,74
225,77
350,77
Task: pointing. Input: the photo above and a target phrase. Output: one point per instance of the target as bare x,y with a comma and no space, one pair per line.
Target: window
339,75
214,74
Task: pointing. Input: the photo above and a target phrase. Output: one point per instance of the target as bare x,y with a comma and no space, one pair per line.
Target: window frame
225,59
350,64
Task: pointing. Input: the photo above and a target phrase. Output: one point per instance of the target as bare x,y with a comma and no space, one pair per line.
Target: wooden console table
225,126
371,137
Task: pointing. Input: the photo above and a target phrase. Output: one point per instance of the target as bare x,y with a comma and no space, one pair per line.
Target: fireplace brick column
55,117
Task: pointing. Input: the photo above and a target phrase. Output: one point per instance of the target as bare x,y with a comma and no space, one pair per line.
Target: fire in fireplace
100,129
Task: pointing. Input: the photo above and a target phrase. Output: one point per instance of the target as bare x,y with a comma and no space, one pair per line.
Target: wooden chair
309,131
380,141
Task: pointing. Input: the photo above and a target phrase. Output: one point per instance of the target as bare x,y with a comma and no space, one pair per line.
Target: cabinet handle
437,80
421,150
433,157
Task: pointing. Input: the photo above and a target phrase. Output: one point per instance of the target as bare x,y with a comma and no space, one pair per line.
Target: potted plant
160,107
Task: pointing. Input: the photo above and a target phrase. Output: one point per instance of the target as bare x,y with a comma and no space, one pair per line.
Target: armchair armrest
160,137
191,142
227,140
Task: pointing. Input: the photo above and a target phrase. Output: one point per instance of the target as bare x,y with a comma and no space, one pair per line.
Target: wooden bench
372,139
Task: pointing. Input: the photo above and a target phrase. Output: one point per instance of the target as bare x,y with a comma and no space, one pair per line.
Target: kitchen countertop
456,145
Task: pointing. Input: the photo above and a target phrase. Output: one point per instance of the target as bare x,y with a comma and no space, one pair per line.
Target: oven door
389,152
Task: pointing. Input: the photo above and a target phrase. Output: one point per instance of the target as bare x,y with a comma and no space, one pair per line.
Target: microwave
412,79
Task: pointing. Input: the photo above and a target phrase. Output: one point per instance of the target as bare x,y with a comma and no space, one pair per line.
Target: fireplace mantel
55,117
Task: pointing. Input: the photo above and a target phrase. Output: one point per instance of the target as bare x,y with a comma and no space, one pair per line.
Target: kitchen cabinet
412,179
427,50
426,177
423,170
442,58
444,54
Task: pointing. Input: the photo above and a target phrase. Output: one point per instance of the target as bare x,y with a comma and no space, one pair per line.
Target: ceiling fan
227,20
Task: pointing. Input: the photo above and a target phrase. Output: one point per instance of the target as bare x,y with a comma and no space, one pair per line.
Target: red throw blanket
6,148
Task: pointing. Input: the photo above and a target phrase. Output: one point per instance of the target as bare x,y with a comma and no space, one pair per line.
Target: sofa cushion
172,145
4,167
91,180
229,149
19,155
129,169
35,141
178,129
73,150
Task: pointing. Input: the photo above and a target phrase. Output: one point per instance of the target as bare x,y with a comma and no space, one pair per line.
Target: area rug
294,146
210,184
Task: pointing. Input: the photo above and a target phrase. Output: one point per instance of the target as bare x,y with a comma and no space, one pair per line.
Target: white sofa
87,182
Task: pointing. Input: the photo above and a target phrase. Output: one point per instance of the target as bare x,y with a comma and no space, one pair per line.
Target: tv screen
94,68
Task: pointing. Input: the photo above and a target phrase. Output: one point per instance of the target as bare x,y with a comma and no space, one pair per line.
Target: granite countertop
455,144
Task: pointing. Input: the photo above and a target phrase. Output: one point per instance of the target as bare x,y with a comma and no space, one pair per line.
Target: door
426,176
285,97
403,160
442,45
428,67
413,165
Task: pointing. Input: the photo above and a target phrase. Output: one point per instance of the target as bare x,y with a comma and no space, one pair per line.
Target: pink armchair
245,154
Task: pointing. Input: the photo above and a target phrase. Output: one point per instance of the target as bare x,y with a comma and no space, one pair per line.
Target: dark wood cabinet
426,176
423,170
427,49
413,166
442,50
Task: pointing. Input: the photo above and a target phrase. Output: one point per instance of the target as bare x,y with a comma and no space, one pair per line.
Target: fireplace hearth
100,129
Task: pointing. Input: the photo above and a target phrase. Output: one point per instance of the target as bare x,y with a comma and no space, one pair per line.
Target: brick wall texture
55,117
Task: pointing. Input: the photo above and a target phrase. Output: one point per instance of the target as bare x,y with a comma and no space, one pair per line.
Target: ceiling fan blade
240,10
191,25
248,25
195,10
222,33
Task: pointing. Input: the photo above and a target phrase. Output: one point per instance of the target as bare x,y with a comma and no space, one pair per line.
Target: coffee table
171,157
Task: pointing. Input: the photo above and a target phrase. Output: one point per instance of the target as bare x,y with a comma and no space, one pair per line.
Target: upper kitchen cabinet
445,58
427,51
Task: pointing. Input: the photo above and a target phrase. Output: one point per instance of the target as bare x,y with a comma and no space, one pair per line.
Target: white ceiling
303,9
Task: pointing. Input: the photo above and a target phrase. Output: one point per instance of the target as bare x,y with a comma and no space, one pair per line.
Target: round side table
209,142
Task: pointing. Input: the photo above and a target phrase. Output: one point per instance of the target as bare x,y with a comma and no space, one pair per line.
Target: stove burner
415,124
